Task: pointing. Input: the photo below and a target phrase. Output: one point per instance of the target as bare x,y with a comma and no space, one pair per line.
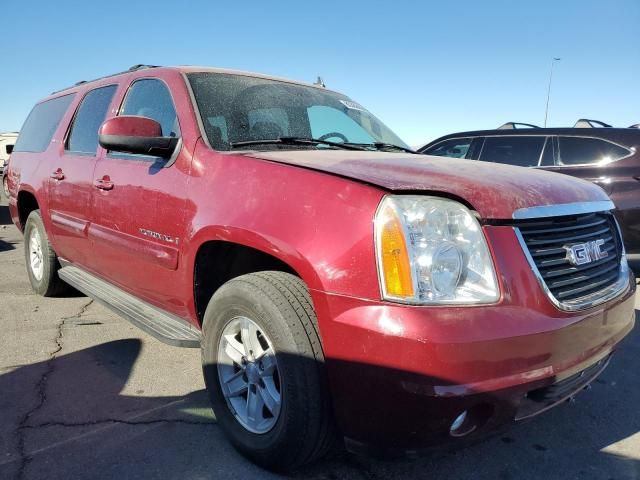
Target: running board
162,325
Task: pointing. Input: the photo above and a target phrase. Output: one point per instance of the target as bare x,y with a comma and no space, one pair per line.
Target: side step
164,326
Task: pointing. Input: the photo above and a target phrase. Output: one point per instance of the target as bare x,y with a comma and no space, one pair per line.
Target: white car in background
7,141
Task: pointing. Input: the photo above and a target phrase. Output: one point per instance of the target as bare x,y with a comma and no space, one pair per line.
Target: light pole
546,110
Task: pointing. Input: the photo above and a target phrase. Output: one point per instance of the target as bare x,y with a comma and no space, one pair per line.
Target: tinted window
513,150
548,156
151,99
456,147
41,124
83,137
580,151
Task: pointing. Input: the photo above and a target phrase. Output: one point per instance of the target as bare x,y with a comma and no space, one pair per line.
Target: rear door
589,158
140,206
519,150
71,178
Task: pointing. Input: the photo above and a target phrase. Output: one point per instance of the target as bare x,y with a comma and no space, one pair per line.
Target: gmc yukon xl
338,285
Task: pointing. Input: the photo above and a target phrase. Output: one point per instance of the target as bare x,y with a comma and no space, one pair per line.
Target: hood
494,190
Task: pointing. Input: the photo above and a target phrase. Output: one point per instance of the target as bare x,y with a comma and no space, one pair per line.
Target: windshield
239,108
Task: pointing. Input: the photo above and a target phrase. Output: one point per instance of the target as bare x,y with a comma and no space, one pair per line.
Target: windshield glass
239,108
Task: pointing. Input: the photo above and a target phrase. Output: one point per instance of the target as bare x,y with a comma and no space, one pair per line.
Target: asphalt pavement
83,394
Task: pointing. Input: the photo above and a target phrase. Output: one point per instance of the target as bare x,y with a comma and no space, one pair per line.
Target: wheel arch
223,253
26,202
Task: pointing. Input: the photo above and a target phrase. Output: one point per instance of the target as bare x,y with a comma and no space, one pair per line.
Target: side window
83,136
151,98
513,150
588,151
455,148
325,120
41,124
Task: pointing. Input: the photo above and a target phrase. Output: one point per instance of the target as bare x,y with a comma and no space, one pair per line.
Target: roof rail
587,123
134,68
635,125
141,66
514,125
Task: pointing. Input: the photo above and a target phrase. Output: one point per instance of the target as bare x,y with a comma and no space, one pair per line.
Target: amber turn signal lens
394,256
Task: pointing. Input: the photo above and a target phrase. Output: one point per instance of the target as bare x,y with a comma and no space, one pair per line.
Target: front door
140,207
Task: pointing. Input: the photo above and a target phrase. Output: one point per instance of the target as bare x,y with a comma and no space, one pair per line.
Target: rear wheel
264,370
41,259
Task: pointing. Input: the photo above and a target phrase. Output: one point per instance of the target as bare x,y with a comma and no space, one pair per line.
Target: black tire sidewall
41,287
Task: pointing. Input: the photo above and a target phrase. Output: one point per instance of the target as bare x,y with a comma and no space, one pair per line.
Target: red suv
338,285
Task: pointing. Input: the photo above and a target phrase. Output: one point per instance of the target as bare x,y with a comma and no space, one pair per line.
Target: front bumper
400,375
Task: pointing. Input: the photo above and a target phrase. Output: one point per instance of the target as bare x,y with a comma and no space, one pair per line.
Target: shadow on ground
5,216
82,422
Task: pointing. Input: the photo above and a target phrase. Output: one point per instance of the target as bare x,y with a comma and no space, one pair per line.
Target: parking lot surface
83,394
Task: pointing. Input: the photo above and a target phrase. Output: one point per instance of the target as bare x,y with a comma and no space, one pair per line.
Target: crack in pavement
119,422
41,389
101,427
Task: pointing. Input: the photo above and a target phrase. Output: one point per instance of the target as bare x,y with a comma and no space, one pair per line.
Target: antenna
320,82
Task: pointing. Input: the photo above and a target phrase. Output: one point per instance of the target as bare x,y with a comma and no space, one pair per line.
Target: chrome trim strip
562,209
588,301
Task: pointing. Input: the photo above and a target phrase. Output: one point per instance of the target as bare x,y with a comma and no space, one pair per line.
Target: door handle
58,174
103,183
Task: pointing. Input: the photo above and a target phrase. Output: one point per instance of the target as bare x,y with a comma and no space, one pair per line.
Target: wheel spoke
234,350
268,362
272,403
254,406
249,335
235,385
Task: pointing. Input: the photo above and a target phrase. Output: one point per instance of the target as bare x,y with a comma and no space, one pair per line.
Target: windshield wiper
296,141
383,146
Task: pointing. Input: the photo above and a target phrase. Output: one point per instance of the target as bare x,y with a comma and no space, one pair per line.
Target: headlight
432,251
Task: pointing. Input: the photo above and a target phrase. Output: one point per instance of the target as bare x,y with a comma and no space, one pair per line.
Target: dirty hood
495,191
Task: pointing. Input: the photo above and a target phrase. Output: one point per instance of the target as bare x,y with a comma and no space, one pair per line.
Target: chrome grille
548,240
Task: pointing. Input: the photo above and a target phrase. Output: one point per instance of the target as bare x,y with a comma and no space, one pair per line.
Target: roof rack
514,125
133,68
587,123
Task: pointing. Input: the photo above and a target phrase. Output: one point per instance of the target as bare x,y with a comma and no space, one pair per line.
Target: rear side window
513,150
151,98
41,124
83,137
455,147
589,151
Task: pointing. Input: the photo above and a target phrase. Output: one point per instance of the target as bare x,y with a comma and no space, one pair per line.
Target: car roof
629,136
182,69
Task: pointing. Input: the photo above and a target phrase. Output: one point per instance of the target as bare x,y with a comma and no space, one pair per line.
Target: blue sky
425,68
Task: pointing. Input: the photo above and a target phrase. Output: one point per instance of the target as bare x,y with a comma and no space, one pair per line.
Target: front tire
264,370
41,259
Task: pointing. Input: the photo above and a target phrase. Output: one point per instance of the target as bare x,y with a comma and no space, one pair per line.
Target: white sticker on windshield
353,105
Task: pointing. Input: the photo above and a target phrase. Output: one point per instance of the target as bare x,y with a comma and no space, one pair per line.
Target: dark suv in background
591,150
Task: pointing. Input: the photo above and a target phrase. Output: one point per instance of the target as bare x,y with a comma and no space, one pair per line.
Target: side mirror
9,149
133,134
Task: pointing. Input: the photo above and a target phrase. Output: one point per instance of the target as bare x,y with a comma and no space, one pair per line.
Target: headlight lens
432,251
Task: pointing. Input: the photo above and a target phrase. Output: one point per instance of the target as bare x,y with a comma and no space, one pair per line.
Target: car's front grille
576,256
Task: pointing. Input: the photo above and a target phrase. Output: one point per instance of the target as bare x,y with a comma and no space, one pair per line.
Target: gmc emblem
588,252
